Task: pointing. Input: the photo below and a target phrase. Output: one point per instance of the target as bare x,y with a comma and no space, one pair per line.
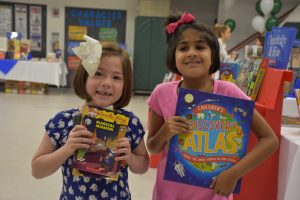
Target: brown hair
108,49
207,35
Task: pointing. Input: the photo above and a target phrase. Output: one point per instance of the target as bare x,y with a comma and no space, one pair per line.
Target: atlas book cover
107,127
220,132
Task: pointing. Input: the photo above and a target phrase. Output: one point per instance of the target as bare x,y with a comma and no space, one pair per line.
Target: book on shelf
220,132
297,95
107,127
229,71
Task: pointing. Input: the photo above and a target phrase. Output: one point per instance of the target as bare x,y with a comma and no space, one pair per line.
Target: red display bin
262,182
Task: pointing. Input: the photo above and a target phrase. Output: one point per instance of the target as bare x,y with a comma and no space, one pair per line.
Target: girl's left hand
224,183
123,150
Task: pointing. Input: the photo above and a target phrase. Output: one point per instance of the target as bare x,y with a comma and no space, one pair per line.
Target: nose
106,83
192,52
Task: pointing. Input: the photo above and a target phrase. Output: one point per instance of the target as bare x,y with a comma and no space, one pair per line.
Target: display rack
262,182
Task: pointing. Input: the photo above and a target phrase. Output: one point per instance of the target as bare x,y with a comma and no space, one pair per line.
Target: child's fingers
213,183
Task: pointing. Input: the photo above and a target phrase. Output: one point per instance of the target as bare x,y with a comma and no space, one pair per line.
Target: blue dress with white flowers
86,188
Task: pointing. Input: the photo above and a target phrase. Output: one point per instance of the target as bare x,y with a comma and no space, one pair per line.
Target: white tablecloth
289,164
290,107
38,71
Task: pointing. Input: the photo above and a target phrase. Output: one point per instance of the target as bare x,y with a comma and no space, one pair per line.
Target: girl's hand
175,125
123,150
79,137
224,183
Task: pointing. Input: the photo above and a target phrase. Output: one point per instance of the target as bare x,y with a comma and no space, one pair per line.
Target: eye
118,77
98,73
182,48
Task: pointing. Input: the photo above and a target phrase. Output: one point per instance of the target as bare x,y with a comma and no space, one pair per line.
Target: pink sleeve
153,101
229,89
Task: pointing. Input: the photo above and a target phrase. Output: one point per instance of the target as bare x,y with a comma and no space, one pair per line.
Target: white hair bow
90,53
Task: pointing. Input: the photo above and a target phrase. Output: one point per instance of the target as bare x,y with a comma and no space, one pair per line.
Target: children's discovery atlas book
107,127
221,128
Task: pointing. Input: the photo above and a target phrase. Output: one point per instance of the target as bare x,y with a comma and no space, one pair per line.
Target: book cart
262,182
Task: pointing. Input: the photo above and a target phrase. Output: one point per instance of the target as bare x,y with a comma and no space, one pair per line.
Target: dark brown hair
207,35
108,49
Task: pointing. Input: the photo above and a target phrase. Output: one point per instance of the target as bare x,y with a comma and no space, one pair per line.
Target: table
53,73
289,164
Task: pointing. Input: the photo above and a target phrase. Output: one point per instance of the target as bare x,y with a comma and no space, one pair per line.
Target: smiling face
193,55
106,86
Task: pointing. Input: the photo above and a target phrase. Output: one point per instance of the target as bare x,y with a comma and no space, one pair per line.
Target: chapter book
219,137
107,127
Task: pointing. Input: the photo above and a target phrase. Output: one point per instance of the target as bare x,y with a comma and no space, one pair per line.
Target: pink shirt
163,101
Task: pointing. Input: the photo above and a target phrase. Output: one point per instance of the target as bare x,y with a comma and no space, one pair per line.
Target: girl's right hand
175,125
79,137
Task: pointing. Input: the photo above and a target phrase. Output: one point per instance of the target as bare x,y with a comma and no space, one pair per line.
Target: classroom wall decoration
27,19
100,24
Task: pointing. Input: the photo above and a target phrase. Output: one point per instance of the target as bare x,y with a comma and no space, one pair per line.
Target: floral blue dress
86,188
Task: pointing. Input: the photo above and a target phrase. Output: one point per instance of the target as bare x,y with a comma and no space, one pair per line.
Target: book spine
259,78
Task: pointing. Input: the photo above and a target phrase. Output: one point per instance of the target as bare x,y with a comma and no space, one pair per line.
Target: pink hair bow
185,19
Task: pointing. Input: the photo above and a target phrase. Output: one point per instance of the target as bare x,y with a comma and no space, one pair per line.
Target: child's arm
47,160
267,143
137,160
160,132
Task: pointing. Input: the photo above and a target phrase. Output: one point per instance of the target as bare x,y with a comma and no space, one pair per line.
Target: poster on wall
36,28
101,24
21,19
5,19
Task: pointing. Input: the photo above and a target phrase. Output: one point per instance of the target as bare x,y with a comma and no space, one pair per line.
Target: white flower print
70,161
129,129
65,179
134,121
104,194
68,172
70,123
82,188
51,125
78,198
92,197
76,178
56,135
108,181
71,191
66,114
86,179
122,194
114,198
94,187
64,140
65,189
133,136
61,124
121,183
115,188
138,141
140,131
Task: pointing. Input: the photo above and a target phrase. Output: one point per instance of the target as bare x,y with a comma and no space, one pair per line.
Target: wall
57,24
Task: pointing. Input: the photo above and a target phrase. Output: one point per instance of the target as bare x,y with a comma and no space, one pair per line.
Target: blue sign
278,45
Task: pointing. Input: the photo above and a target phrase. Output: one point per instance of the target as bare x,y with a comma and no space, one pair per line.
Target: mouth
192,62
104,93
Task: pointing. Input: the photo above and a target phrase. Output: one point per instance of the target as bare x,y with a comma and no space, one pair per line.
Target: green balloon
258,9
230,23
271,22
276,8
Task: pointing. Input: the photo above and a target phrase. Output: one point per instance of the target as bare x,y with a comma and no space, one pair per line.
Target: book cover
107,127
252,75
221,128
229,71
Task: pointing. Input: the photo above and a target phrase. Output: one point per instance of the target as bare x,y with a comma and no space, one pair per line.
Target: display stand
262,182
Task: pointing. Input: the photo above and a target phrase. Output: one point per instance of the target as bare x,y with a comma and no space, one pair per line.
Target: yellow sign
76,32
